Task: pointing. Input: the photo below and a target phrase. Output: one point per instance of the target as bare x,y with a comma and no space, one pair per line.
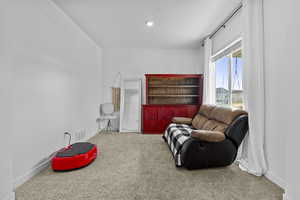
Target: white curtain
251,156
209,74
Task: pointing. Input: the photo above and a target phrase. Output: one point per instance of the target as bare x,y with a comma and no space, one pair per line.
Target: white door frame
139,82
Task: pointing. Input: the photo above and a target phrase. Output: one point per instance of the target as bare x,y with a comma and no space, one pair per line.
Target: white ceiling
121,23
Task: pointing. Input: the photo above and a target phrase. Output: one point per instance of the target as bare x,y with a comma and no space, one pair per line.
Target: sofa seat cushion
198,121
182,120
208,136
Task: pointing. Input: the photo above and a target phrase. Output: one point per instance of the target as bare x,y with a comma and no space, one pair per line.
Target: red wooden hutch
170,95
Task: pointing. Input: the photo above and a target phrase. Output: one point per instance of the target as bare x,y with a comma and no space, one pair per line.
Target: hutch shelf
170,95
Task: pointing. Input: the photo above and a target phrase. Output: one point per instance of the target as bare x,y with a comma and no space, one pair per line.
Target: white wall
134,63
57,74
6,183
6,177
282,85
277,95
231,32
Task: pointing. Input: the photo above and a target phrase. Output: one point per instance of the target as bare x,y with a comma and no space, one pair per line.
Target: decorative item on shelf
116,92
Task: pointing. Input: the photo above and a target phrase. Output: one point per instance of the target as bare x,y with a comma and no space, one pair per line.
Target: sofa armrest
208,136
198,154
182,120
238,130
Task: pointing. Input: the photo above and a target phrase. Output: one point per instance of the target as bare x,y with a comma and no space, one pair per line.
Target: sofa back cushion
213,125
198,121
225,115
215,118
220,126
205,110
203,116
209,125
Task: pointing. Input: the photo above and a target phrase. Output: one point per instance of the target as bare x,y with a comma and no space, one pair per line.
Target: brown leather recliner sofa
210,139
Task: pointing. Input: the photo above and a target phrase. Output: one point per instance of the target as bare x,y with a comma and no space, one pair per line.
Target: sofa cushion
225,114
198,121
220,127
182,120
209,136
205,110
210,125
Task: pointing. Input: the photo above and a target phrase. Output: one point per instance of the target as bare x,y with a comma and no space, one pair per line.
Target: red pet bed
74,156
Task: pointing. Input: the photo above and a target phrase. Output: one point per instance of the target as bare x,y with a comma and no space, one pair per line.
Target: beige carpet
140,167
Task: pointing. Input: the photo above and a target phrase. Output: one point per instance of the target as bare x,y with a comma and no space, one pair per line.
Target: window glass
222,80
237,81
229,80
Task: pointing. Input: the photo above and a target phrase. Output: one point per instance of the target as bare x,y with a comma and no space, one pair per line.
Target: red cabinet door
192,111
165,115
156,118
180,111
150,113
150,119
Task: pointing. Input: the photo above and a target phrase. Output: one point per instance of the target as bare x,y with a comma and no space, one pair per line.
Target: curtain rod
222,25
234,12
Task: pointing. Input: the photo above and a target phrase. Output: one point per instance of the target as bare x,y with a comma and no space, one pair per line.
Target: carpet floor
141,167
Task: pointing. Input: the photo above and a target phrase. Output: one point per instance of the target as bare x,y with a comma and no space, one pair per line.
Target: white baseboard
91,135
41,166
275,179
31,173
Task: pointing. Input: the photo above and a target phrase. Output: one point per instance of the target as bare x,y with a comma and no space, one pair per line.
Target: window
229,80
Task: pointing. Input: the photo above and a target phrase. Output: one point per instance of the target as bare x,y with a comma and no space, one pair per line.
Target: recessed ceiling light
149,23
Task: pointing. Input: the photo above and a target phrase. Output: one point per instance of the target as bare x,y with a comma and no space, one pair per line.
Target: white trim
275,179
122,104
92,135
209,90
31,173
239,39
41,166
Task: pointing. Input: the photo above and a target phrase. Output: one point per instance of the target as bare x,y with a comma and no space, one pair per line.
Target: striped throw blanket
176,135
